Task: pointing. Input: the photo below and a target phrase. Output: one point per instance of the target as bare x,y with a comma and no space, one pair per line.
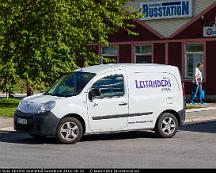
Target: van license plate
21,121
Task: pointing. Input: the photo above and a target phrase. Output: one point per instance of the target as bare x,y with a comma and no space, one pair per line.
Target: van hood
42,98
33,103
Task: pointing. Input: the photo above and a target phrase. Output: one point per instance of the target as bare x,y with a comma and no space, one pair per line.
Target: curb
199,120
200,109
7,129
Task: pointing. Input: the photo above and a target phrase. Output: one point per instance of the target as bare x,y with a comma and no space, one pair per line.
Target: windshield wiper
64,95
46,93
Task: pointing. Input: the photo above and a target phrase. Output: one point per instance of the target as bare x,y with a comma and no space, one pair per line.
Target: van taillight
183,88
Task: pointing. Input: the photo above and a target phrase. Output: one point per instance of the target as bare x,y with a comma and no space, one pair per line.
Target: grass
8,107
193,106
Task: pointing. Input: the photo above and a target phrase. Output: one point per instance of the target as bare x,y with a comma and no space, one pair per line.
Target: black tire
38,137
70,136
169,130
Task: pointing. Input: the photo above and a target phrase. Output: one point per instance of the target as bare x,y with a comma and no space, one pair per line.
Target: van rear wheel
69,130
166,126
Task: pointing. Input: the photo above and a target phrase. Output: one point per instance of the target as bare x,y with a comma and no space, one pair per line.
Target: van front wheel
166,126
69,130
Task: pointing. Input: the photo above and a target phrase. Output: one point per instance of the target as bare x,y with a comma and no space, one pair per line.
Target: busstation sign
166,9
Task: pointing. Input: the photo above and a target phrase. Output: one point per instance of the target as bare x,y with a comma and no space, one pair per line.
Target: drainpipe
215,22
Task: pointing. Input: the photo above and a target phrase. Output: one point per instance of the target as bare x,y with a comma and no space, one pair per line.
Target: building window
143,54
194,54
110,54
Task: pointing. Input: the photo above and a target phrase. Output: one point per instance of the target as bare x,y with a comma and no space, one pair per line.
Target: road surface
194,146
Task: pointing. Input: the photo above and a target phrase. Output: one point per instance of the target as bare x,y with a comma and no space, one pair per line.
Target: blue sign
209,31
166,9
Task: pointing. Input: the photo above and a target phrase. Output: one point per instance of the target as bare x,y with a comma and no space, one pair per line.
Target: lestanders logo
163,83
166,9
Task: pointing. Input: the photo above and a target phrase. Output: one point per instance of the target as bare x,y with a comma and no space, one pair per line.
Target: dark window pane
138,49
143,59
194,55
111,86
195,48
144,49
110,51
192,61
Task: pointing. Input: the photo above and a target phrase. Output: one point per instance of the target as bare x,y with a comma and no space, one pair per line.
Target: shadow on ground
22,138
205,127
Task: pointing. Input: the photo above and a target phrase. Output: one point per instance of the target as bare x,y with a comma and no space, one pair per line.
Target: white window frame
143,54
110,55
191,53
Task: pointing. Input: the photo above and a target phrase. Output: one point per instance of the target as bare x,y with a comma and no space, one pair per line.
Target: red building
171,37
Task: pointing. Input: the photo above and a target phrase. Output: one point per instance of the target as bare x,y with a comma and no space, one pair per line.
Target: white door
110,110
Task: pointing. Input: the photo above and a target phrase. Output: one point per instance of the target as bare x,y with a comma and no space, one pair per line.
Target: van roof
102,68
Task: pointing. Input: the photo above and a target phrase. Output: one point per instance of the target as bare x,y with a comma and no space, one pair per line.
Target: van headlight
47,107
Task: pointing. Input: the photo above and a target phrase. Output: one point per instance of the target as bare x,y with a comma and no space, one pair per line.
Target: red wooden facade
171,50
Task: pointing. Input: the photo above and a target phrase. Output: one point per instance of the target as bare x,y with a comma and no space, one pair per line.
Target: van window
111,86
70,84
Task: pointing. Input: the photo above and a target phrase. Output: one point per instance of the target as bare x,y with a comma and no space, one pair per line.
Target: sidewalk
201,116
16,95
193,116
6,124
198,115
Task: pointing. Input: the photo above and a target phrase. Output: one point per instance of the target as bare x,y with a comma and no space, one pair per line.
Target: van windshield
70,84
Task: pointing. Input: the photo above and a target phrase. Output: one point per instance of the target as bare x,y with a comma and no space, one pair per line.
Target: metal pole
215,22
101,61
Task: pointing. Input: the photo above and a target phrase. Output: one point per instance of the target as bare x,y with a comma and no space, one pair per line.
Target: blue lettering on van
164,83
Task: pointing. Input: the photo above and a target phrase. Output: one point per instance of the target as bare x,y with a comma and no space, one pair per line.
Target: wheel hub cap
168,126
69,131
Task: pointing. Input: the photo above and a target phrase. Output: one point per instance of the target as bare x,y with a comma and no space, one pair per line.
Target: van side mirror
95,92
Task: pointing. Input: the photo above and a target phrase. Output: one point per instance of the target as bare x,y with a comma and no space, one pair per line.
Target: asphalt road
194,146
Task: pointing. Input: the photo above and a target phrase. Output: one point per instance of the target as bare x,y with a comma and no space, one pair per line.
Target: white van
106,98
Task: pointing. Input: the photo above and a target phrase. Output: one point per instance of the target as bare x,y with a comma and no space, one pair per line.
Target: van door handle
123,104
95,104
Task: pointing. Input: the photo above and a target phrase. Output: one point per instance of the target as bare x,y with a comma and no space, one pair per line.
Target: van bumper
44,124
182,114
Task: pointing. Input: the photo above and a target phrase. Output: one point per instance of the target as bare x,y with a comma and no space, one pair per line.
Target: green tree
42,39
8,78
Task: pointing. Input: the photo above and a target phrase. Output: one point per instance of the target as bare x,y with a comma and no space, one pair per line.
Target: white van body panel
151,99
71,106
